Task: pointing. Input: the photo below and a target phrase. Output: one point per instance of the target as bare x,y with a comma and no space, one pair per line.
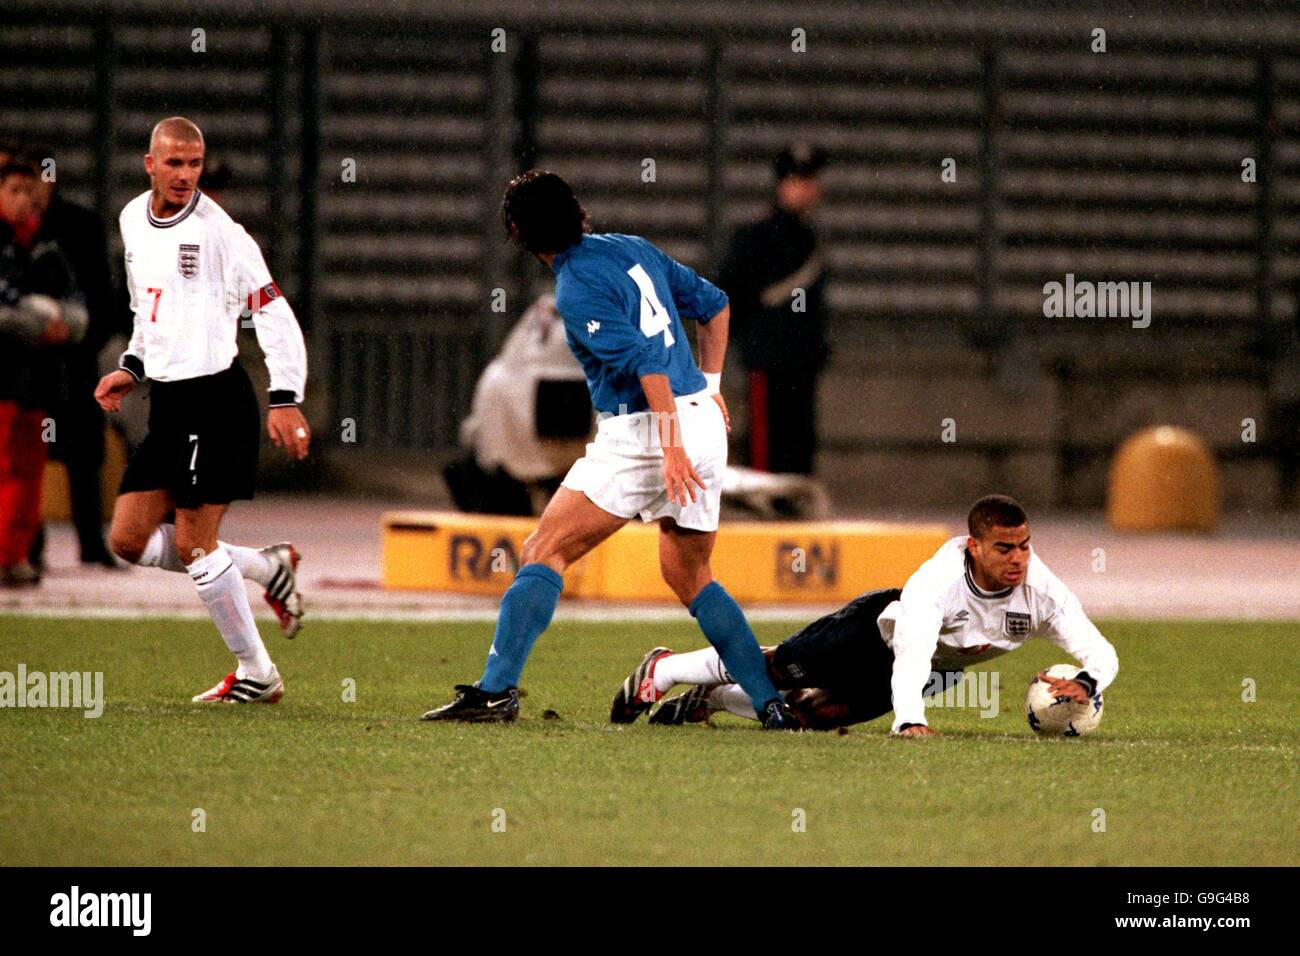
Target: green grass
1187,773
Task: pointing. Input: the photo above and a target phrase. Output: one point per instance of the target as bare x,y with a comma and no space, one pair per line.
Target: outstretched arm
916,623
1069,628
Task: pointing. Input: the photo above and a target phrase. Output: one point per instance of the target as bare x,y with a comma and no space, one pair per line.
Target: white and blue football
1054,716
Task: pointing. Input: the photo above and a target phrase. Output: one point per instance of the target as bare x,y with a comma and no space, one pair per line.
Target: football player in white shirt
193,272
980,596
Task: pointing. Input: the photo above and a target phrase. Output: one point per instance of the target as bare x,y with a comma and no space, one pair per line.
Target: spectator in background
776,280
78,234
40,310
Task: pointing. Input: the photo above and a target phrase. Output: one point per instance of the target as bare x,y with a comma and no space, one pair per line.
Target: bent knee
128,547
535,550
540,549
683,588
686,583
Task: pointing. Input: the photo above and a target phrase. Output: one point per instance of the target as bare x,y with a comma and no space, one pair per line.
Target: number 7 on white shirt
157,294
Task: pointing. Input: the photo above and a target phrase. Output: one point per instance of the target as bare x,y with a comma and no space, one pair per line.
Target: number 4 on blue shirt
622,301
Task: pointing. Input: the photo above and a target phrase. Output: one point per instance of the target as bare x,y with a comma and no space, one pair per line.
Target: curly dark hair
541,212
994,511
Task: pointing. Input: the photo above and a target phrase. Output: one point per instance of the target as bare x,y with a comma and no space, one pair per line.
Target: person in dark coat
775,275
78,234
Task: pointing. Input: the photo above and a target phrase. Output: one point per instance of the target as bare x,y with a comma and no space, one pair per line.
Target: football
1060,716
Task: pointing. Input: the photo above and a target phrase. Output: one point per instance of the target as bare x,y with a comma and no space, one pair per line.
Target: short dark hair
17,166
994,511
541,212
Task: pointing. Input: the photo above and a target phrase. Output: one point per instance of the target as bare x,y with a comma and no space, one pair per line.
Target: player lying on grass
193,273
979,597
659,452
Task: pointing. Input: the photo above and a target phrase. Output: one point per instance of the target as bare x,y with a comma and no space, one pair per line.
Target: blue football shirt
622,301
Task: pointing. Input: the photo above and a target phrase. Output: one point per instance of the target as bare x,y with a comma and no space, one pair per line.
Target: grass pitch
1186,772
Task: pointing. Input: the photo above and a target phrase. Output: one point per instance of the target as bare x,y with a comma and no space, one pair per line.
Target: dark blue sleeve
607,322
695,297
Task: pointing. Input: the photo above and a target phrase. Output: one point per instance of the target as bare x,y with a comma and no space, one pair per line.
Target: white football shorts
622,471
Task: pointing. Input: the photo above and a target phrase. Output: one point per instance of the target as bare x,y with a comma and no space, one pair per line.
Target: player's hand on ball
722,404
112,388
678,475
1064,687
918,730
289,430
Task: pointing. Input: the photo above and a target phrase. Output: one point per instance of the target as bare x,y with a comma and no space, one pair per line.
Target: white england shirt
191,277
944,621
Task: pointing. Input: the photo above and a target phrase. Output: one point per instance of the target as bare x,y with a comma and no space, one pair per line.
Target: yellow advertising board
760,562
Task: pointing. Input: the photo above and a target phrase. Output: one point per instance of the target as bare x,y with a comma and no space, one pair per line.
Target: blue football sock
526,610
724,624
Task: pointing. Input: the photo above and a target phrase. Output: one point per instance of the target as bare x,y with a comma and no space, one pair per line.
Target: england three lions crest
1016,624
187,260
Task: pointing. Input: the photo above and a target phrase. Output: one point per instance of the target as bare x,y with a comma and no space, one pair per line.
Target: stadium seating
1117,166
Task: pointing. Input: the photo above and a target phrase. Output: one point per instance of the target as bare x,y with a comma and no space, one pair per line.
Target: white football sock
252,564
221,587
732,699
694,667
160,552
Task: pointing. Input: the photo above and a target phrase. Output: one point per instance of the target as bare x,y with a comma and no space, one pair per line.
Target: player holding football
660,448
192,271
979,597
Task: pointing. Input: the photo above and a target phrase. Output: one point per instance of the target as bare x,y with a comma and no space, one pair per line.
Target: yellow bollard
1162,479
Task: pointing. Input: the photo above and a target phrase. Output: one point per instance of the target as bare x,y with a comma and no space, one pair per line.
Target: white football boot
282,593
237,690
